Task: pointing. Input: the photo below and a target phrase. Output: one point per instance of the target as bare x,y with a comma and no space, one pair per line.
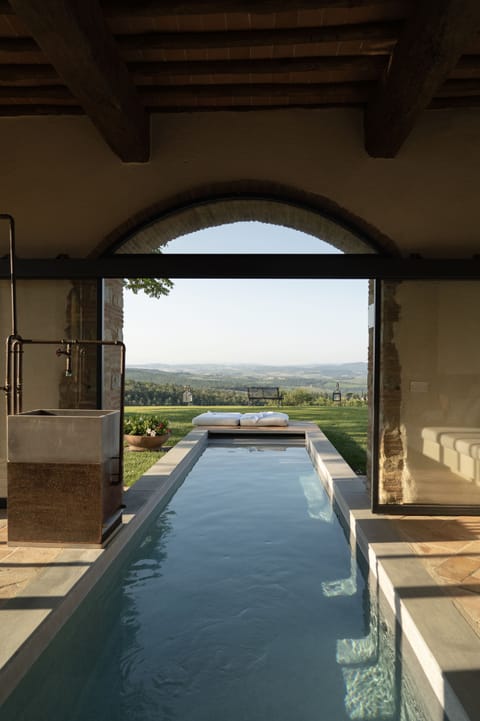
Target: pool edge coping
76,571
448,647
27,626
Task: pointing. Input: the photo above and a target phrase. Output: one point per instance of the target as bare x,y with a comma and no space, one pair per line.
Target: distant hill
351,376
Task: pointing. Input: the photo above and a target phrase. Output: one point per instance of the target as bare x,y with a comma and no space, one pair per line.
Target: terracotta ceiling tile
218,54
237,21
366,14
176,54
261,52
282,51
310,18
197,54
265,21
190,23
308,51
216,22
239,53
286,19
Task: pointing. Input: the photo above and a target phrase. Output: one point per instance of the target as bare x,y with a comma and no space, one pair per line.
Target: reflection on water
376,685
319,505
343,586
241,602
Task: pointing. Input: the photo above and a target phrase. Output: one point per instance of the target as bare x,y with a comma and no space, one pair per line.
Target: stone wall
392,448
371,311
112,330
80,389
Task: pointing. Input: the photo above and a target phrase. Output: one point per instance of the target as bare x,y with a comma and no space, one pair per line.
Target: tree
153,287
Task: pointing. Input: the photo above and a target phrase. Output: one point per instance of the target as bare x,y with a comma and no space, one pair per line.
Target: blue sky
249,321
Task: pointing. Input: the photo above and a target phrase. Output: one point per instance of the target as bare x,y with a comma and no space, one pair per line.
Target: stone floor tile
458,568
473,547
432,550
14,576
5,552
34,556
469,603
476,574
10,591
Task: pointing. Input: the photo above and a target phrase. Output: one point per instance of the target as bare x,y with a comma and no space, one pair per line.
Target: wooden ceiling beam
149,72
364,66
376,38
13,89
318,94
121,8
159,8
383,35
307,93
427,52
76,41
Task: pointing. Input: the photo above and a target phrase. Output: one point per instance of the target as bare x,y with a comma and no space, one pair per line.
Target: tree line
139,393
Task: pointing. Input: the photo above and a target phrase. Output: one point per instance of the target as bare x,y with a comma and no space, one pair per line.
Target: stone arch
218,204
246,201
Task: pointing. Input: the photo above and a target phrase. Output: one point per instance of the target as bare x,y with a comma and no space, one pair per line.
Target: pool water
241,603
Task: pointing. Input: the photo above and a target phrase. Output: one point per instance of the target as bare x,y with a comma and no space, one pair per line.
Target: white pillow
265,418
217,419
249,419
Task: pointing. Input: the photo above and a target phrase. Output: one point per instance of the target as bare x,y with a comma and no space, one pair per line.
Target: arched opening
255,318
325,234
211,207
398,482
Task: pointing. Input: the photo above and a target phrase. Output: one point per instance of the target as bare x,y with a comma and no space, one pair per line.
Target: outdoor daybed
263,419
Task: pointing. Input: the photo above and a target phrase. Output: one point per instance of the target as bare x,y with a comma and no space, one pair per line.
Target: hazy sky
249,321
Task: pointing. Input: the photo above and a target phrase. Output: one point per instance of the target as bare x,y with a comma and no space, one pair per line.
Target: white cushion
469,446
217,419
435,433
249,419
265,418
450,440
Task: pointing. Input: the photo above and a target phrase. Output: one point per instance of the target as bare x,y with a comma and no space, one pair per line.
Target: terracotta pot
146,443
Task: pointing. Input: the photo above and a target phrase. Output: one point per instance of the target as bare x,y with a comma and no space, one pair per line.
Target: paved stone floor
449,547
19,566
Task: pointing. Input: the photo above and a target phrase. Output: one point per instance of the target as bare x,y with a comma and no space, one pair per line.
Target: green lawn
344,426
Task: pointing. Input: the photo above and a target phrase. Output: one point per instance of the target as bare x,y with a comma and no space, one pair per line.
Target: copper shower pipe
14,350
9,387
14,384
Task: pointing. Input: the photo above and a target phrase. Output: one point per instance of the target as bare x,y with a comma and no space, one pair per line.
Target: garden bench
260,393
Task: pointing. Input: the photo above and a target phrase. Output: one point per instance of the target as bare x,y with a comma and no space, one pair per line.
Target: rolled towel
217,419
264,418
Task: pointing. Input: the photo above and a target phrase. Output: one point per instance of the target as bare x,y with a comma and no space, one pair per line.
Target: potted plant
145,432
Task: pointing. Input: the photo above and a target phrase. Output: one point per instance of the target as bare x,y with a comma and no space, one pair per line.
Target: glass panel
430,393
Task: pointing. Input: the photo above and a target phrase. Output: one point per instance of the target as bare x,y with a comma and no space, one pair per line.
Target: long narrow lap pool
241,603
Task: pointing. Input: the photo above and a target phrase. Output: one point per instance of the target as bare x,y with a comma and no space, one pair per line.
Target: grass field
344,426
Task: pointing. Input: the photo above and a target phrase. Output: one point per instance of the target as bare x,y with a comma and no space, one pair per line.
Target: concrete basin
63,476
